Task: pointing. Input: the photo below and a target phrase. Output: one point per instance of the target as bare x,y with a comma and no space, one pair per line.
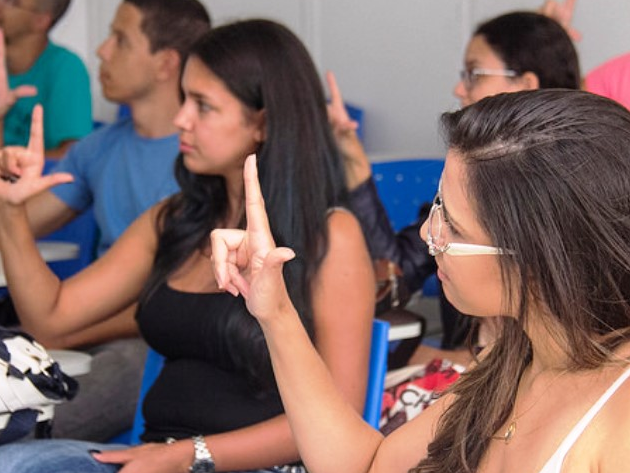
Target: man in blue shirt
122,169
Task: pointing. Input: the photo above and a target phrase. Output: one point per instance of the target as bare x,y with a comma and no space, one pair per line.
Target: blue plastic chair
404,186
373,402
356,114
376,377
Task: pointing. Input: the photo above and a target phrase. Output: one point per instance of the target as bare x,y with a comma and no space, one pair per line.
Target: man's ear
530,81
42,21
169,64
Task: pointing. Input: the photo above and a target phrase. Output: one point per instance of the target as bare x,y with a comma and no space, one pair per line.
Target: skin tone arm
330,434
343,304
47,213
562,12
356,163
106,287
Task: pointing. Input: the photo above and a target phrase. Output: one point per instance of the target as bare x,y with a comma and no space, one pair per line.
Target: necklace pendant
509,433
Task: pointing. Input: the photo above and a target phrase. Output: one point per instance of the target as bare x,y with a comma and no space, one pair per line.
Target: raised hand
247,261
8,96
356,162
22,167
562,12
337,113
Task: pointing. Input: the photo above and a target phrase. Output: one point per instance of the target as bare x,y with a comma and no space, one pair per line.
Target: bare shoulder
612,432
342,220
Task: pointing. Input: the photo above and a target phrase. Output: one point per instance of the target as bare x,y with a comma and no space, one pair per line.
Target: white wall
398,59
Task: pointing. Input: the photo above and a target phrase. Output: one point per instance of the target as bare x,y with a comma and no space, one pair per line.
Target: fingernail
92,451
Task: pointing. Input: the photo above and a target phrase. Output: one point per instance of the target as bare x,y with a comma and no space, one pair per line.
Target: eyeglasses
470,76
437,230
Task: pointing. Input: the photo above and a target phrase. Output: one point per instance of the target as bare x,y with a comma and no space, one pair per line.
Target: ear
260,122
41,21
530,81
168,64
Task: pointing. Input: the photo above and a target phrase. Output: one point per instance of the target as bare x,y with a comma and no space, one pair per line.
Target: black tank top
216,377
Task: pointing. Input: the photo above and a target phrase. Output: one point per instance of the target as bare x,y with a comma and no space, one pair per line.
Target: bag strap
20,424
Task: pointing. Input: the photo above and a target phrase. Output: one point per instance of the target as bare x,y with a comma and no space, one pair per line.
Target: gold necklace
511,428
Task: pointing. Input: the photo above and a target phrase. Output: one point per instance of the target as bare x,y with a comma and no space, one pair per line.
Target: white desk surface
51,251
71,362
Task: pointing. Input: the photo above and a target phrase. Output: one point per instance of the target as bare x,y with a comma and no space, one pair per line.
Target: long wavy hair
548,174
531,42
267,68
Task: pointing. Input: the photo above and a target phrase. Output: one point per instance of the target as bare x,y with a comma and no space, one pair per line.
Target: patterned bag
31,382
410,390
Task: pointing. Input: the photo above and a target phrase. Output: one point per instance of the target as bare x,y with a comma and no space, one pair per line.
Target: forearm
356,163
330,434
405,248
122,325
25,270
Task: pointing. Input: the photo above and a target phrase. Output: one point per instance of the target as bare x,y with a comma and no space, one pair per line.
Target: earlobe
42,21
530,81
169,64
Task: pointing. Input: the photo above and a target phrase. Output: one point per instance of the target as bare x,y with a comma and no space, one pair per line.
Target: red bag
410,390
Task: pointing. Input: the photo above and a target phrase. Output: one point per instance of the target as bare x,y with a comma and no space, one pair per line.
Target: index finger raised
36,138
255,212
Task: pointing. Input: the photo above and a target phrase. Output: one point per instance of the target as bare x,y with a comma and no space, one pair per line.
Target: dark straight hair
531,42
172,24
268,69
548,174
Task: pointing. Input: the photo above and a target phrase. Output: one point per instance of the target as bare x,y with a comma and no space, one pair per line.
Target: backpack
31,383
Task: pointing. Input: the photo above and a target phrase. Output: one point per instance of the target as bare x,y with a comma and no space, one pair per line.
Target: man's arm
46,213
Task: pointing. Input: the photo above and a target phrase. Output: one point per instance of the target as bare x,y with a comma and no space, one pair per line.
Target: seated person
39,71
120,170
535,192
498,59
249,87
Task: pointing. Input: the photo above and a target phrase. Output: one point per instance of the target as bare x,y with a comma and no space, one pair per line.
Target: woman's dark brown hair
548,174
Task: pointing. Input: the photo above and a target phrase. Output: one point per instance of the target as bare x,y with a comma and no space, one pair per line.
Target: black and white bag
31,383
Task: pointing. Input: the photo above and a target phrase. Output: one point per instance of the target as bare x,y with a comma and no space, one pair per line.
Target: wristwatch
203,458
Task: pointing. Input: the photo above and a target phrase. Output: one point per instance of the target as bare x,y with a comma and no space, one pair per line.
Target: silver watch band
203,458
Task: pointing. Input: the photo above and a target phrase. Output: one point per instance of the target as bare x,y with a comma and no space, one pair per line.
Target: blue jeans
65,456
55,456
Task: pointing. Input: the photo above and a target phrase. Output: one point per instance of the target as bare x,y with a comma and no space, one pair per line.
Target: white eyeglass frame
469,76
454,248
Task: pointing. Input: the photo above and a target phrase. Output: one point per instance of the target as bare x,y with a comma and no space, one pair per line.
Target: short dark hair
531,42
56,8
172,24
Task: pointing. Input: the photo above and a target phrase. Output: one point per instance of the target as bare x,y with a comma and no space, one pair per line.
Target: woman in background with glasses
535,191
512,52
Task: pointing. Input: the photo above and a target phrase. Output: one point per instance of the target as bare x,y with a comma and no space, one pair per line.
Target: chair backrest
357,114
82,230
376,376
373,402
404,186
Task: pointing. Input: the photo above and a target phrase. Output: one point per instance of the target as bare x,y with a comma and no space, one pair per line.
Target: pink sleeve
611,79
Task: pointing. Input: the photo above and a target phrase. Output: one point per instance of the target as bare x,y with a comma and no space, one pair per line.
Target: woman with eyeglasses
535,193
512,52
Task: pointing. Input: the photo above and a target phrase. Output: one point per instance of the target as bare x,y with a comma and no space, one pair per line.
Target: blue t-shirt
121,173
63,88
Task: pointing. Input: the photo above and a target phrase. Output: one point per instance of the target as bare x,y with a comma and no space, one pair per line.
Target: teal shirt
63,88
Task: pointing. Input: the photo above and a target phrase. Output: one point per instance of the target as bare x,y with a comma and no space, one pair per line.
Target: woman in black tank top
249,87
